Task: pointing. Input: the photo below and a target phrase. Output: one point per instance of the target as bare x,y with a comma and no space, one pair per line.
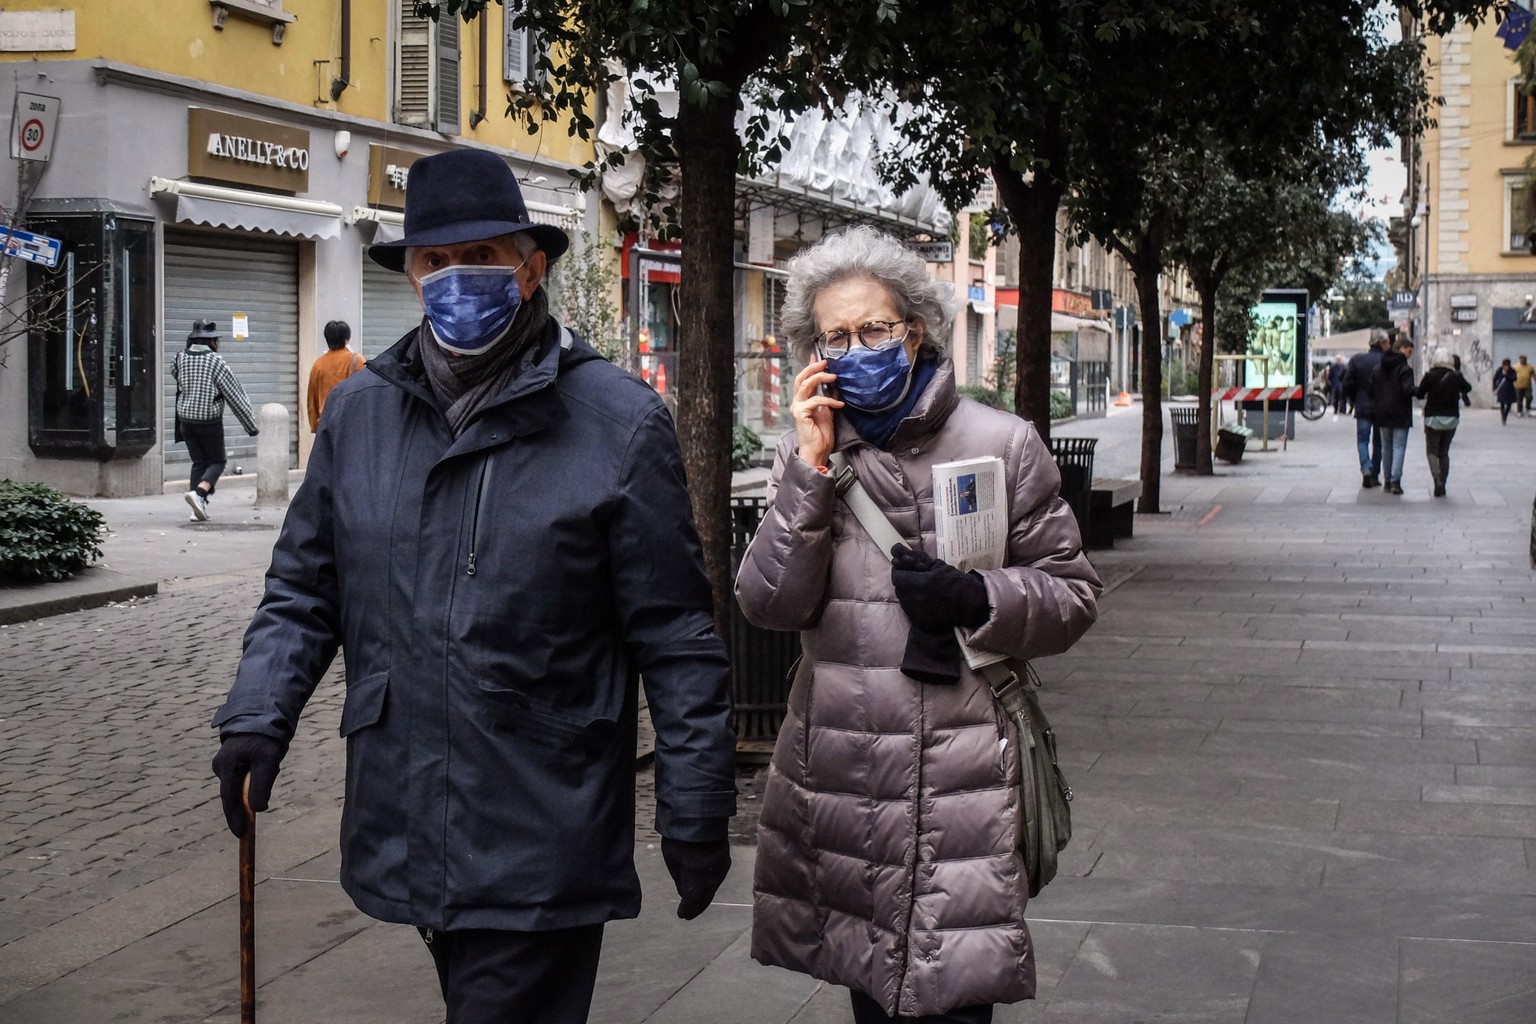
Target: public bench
1112,511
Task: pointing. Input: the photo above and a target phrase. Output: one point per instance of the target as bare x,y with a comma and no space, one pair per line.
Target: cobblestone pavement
105,747
105,750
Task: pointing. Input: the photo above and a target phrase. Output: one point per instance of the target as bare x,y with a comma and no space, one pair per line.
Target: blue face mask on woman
873,380
470,308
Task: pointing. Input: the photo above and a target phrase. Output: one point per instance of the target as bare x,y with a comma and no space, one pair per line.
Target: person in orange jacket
1523,373
331,369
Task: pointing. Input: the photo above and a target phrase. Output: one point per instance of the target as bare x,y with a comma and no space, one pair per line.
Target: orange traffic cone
661,379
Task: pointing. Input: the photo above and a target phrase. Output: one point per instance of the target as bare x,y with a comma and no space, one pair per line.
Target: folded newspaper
970,523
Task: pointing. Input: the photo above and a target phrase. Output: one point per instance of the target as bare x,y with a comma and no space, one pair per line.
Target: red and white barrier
771,396
1256,394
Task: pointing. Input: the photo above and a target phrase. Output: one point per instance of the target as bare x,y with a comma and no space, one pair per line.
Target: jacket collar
529,404
933,407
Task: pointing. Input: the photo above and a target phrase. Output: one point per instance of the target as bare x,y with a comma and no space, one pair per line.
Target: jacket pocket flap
513,711
364,705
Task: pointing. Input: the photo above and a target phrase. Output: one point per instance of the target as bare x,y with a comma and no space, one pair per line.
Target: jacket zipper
474,521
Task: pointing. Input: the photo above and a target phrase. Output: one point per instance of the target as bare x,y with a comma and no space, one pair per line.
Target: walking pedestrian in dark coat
1392,397
494,525
1357,389
1504,389
1443,390
1336,385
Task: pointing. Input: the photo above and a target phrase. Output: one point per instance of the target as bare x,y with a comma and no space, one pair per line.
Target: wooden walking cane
248,912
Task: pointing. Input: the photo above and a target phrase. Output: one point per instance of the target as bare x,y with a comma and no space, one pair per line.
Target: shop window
90,324
427,70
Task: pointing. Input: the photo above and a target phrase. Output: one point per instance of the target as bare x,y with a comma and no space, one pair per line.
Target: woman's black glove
243,754
697,869
932,656
935,595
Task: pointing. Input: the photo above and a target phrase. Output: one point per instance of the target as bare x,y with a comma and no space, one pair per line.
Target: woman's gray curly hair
864,252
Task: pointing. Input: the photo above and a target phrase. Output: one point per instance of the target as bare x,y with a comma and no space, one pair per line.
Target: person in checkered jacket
204,382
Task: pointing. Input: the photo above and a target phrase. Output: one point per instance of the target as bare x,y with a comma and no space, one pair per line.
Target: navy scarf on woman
879,427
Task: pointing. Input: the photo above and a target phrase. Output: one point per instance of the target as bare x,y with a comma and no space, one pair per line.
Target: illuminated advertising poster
1274,334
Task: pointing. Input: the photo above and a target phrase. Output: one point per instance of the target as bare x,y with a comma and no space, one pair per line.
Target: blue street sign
33,248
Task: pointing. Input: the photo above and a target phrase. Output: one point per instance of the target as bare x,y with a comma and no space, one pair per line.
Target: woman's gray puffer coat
888,844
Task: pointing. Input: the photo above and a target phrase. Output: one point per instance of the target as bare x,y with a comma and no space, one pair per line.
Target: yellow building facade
229,161
1466,253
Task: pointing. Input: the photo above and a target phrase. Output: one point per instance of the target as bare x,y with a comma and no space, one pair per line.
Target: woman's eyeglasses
874,334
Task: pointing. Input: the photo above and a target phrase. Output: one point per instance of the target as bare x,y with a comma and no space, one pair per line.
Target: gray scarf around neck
463,385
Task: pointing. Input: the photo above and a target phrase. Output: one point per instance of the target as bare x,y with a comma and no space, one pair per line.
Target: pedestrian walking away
888,857
1392,389
1444,390
204,383
1336,386
1523,374
494,524
338,363
1357,390
1504,389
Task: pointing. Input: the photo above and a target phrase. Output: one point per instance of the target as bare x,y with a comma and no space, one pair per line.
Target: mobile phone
825,390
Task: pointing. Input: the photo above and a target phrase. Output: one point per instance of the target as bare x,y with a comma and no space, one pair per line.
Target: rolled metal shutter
215,277
390,309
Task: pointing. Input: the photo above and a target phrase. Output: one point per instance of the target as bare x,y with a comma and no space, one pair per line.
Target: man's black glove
697,869
243,754
935,595
932,657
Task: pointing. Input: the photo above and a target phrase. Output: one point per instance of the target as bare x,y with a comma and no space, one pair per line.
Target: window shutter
413,70
448,120
515,56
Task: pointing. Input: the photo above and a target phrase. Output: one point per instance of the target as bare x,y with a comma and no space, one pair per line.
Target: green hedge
1061,404
44,535
745,446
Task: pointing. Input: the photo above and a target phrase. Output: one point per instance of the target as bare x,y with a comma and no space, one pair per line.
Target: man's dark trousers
205,443
502,977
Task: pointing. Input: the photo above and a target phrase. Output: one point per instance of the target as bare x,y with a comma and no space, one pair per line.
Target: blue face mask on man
470,308
873,380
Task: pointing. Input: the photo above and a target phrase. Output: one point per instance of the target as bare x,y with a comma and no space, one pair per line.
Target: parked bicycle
1314,404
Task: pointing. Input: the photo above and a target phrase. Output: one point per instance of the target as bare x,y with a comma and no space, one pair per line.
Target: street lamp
1421,265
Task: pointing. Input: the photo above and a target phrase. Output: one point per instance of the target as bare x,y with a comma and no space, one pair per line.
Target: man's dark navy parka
498,596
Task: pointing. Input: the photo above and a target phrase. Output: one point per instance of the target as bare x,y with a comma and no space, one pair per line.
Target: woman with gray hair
1444,390
888,855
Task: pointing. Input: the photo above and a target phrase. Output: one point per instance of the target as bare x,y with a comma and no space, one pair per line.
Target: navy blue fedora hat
463,195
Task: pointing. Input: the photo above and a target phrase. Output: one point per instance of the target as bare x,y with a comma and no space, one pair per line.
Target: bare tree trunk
1033,209
708,150
1146,264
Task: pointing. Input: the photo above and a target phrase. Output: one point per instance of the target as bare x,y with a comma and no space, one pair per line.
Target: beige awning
1066,323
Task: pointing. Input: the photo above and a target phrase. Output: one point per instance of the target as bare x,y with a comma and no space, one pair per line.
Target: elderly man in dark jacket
1357,389
495,527
1392,393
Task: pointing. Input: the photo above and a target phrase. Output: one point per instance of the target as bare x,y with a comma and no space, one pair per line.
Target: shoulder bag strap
997,674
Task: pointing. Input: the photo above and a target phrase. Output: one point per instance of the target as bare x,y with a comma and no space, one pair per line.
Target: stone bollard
272,455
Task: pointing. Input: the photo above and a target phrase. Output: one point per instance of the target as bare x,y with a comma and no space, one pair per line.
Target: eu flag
1516,26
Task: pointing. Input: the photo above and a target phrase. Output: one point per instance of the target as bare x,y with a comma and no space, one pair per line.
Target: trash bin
1074,458
761,659
1184,435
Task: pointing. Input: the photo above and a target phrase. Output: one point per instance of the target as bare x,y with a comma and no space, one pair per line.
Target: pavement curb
91,588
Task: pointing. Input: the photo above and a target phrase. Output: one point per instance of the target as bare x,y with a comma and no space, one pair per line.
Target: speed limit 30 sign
33,124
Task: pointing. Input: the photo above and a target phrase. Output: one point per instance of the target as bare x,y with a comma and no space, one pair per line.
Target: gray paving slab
1131,972
1466,982
1338,979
